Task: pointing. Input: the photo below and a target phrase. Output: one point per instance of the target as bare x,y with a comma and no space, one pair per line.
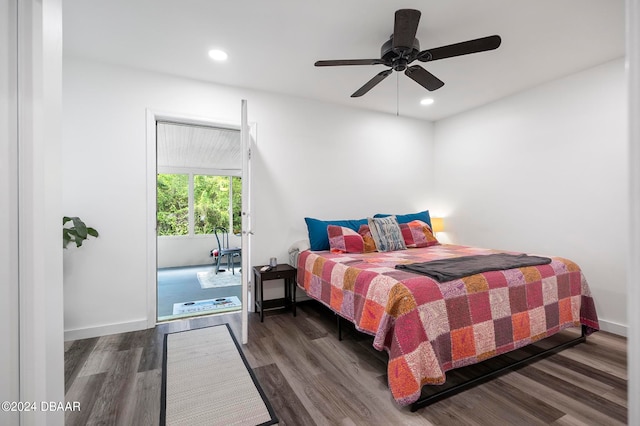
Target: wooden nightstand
280,272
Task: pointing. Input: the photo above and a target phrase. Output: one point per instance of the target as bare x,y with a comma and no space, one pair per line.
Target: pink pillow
344,240
369,242
418,234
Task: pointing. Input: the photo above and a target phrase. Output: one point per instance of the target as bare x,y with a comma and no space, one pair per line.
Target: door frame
152,116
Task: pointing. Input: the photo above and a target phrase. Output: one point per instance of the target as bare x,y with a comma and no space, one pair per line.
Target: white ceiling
272,45
200,147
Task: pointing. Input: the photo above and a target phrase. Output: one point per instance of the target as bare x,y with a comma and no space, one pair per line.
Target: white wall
538,172
40,141
9,289
312,159
633,259
188,251
184,251
31,358
545,171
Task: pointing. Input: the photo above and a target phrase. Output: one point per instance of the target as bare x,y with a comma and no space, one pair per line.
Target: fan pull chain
397,95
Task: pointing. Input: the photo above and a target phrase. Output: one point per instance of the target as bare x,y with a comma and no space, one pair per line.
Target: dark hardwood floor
312,378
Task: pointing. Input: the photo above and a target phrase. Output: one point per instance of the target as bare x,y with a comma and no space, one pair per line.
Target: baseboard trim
104,330
124,327
613,327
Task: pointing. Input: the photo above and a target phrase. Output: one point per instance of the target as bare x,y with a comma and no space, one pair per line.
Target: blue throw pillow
318,237
406,218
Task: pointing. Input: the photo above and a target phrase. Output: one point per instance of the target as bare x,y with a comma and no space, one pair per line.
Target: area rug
209,279
220,304
206,380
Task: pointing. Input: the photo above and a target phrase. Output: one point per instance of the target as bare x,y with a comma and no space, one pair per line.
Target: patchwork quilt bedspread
429,327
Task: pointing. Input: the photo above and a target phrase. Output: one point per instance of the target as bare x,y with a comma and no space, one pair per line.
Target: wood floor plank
116,391
109,343
100,361
311,377
75,357
310,330
133,339
301,388
597,354
568,420
284,400
508,394
584,376
257,352
86,391
489,409
304,358
618,395
145,409
151,357
596,401
592,370
576,405
467,409
344,371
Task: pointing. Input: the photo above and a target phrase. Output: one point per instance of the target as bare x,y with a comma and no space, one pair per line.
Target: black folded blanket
457,267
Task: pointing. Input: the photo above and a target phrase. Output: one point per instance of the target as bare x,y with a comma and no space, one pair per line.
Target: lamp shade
437,224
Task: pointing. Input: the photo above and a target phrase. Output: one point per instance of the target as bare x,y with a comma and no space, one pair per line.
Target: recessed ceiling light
426,101
218,55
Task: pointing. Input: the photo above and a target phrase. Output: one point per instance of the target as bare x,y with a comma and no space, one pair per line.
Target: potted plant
76,233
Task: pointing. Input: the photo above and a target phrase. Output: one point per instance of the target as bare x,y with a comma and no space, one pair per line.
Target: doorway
248,141
198,217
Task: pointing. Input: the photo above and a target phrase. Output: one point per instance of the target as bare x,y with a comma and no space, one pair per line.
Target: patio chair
222,237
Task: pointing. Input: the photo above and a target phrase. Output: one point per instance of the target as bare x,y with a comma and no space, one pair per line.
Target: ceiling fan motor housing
399,57
387,51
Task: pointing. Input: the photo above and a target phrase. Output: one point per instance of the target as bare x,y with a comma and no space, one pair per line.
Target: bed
430,327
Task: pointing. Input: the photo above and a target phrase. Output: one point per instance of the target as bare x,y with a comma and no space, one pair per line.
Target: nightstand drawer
278,275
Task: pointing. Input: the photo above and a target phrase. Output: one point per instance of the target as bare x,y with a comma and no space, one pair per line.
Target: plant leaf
66,238
76,233
81,228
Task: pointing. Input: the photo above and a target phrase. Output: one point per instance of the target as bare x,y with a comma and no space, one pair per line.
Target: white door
247,135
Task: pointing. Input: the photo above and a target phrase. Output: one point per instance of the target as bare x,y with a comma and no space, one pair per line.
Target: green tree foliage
237,204
173,204
211,203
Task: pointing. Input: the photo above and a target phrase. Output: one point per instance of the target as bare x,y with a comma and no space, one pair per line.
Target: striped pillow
386,233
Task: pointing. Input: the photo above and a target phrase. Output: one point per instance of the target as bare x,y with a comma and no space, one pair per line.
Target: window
200,203
213,197
173,204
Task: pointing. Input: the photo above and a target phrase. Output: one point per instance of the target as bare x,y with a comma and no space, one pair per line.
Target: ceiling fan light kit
403,48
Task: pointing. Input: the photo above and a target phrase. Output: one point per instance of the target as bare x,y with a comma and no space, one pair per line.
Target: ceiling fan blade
464,48
371,83
424,77
338,62
405,28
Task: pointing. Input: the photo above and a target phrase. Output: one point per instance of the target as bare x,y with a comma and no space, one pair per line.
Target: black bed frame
427,397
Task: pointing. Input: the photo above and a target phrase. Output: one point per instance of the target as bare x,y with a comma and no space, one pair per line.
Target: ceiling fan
403,48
